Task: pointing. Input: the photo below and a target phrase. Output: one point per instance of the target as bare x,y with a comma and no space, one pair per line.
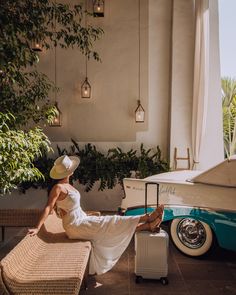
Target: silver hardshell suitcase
151,252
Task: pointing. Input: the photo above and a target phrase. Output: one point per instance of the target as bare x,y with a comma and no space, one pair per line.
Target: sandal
155,229
156,213
154,226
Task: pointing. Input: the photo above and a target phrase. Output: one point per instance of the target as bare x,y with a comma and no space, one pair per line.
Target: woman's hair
51,184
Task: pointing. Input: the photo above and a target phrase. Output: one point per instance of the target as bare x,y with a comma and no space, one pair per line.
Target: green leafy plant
17,152
93,166
229,115
123,162
109,169
150,162
24,91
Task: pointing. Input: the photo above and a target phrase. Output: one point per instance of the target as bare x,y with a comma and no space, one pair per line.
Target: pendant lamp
98,8
86,89
139,112
57,120
37,46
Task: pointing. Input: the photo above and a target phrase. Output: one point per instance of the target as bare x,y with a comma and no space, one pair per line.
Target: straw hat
64,166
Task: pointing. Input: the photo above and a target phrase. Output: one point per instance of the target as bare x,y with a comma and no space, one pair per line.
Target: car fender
222,223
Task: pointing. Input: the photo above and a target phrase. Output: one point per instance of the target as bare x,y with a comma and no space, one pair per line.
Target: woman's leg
143,226
144,218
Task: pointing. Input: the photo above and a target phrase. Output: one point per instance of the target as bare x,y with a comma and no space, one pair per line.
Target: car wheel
191,236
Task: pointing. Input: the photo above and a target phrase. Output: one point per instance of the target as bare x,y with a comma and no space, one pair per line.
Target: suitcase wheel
164,281
138,279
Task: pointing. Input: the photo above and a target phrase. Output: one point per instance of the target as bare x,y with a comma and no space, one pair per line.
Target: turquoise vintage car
199,206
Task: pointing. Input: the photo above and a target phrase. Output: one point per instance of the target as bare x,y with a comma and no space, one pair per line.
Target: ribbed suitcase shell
151,255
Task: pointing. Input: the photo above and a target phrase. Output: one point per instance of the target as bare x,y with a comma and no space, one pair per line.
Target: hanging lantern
37,45
86,89
98,8
139,113
57,121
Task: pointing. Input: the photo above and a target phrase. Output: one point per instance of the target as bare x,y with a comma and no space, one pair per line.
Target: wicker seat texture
48,263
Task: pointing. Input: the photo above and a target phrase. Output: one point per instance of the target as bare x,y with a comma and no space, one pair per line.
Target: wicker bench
48,263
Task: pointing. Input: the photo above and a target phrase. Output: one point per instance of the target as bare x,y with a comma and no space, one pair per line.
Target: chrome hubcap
191,233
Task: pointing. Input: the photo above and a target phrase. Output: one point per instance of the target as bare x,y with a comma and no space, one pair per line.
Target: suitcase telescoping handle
146,193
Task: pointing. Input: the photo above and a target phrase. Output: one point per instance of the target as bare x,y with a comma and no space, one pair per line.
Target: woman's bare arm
53,196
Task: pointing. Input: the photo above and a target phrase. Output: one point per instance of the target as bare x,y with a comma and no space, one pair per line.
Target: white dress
109,235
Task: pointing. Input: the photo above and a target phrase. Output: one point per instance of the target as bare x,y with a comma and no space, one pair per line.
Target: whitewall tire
191,236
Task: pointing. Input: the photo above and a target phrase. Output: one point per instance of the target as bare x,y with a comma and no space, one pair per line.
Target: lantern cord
55,71
86,58
139,49
55,58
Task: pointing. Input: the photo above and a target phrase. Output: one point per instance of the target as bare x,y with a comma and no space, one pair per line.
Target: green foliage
17,152
93,166
24,92
110,168
123,163
229,115
150,162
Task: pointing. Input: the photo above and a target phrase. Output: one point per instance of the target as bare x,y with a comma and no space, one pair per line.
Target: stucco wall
109,114
160,26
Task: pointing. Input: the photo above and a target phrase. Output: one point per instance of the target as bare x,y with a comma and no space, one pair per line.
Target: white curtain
201,78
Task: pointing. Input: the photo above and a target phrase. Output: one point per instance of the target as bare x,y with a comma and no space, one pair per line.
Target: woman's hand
33,231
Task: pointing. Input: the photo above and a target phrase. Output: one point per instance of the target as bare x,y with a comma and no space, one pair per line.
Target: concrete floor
214,274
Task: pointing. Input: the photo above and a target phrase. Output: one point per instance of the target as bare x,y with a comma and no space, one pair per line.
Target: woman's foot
154,226
156,213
